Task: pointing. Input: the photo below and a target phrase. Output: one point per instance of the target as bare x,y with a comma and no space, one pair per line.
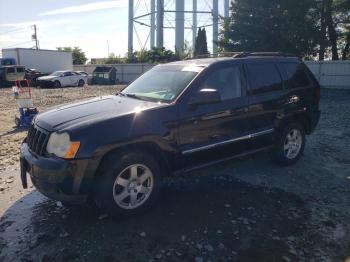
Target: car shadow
15,130
216,217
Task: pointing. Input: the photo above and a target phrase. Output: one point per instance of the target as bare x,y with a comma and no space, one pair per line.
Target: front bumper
55,178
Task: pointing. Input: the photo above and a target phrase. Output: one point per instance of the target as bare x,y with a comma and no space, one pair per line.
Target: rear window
263,78
296,75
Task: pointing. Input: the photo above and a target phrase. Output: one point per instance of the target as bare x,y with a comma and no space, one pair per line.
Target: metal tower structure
160,16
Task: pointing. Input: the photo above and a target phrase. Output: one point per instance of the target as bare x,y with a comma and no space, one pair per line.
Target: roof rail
240,55
246,54
214,55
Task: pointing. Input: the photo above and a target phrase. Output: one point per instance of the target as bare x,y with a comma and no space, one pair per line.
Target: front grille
37,140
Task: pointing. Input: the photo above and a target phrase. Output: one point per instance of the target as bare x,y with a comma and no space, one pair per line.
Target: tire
81,83
290,144
17,121
129,186
57,84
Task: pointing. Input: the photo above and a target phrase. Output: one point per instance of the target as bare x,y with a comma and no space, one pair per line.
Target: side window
67,74
227,81
20,69
263,78
296,75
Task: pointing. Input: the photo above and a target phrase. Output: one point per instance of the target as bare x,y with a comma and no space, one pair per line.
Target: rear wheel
290,144
129,186
57,84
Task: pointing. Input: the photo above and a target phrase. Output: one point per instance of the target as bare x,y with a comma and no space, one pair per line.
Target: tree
113,59
201,46
155,55
269,25
333,28
342,17
79,57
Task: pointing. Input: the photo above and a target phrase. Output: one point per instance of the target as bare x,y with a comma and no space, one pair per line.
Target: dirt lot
243,210
10,137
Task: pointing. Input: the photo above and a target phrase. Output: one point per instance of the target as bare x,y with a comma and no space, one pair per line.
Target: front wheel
290,144
81,83
57,84
128,186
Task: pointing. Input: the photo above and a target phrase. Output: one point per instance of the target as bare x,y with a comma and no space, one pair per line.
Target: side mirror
206,96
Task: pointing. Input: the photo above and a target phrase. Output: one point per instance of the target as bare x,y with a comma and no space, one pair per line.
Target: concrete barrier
331,74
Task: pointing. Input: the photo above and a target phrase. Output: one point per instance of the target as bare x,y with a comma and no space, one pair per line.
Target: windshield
57,73
162,83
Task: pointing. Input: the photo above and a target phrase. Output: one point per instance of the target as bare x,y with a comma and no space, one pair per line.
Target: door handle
290,100
293,99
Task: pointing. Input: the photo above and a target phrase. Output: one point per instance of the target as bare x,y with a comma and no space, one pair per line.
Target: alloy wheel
293,144
133,186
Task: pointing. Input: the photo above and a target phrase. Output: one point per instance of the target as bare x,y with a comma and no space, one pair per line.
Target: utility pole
194,24
35,38
153,24
215,25
107,48
131,29
160,25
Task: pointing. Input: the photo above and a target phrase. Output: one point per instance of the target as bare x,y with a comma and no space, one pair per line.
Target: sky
97,27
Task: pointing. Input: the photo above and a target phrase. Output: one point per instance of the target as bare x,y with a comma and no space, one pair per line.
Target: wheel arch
147,147
301,117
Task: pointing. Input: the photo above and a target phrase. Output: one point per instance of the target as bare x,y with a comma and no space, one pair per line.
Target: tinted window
296,75
68,74
263,77
227,81
20,69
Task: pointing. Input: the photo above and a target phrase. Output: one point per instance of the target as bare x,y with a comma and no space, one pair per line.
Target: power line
17,44
15,30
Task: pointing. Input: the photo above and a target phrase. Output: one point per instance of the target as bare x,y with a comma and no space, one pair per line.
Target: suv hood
90,111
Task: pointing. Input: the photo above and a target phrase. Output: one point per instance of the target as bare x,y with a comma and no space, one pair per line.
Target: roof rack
240,55
214,55
246,54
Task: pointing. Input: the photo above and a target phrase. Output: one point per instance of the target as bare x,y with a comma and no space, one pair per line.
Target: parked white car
61,79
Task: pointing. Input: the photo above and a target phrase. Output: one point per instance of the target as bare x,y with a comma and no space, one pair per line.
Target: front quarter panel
157,126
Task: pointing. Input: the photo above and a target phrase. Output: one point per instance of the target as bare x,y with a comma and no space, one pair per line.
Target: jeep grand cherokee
175,118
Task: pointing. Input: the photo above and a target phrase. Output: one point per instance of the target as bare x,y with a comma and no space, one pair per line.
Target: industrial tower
157,9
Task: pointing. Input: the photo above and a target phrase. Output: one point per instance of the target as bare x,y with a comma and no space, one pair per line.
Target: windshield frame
182,66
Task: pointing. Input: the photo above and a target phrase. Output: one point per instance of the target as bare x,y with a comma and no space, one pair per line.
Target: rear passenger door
266,93
299,87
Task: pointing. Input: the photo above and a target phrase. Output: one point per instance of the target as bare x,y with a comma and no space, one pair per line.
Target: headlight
61,146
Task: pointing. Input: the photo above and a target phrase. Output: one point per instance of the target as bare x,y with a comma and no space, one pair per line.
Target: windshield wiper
131,95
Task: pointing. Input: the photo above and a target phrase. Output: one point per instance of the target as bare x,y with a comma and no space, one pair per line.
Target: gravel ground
243,210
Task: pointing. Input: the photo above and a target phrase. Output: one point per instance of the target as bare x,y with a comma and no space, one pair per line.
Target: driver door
207,127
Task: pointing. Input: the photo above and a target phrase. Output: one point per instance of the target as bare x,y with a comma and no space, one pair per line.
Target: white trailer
46,61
